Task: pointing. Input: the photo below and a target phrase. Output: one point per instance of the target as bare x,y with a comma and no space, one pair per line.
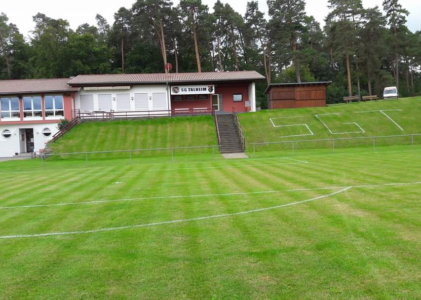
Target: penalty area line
220,216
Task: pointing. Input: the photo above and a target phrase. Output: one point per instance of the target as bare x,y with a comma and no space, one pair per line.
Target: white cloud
84,11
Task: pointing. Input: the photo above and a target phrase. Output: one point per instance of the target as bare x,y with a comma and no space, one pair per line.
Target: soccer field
344,225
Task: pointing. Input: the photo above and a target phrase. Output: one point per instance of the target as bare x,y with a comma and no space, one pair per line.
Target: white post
252,97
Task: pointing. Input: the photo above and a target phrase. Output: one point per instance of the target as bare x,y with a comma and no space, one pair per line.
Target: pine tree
396,16
287,21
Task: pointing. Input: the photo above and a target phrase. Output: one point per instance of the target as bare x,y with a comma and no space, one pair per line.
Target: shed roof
162,78
35,86
318,83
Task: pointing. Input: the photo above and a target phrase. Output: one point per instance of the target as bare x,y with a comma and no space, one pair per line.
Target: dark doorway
30,145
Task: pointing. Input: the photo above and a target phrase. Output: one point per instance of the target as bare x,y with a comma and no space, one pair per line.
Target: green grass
140,134
258,128
363,243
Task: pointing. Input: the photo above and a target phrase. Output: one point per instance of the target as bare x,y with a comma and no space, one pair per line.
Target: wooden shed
297,95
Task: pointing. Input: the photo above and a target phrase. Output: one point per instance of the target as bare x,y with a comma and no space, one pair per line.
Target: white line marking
340,133
311,133
207,195
383,112
174,221
296,160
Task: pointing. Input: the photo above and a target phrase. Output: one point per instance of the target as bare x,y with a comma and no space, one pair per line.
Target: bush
63,123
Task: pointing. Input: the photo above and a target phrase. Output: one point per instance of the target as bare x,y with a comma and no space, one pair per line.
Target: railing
239,128
127,115
374,141
131,155
66,129
215,117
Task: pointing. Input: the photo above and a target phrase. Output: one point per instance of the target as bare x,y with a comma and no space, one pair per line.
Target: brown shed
297,95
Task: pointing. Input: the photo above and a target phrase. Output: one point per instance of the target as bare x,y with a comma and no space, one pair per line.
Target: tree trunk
270,63
234,45
122,55
370,90
221,66
348,71
412,80
211,57
265,63
396,59
358,78
163,47
196,47
176,55
296,61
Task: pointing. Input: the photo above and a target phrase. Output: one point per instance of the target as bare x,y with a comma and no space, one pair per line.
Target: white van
391,93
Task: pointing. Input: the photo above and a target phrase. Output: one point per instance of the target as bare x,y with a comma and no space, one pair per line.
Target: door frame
28,141
219,102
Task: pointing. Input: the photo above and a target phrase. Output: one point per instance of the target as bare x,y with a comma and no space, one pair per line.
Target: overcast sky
84,11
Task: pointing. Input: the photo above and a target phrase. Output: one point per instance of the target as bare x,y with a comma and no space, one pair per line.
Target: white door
159,101
141,102
87,103
105,102
123,102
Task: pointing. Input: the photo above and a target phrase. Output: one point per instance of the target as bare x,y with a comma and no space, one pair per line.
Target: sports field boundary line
383,112
220,216
339,133
96,202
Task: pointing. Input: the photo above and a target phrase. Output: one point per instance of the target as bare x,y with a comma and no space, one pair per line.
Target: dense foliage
360,50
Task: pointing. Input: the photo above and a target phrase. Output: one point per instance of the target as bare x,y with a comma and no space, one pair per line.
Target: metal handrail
215,117
102,115
239,128
66,129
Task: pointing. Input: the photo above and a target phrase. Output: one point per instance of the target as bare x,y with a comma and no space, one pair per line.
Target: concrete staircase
230,138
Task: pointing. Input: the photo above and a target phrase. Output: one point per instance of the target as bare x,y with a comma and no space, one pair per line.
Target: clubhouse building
31,109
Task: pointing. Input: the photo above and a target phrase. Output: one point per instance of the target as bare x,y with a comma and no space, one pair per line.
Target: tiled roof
131,79
34,86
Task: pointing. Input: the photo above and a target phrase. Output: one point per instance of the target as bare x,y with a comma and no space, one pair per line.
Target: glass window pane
37,103
38,113
60,113
27,103
238,97
49,102
27,114
59,102
15,104
49,113
16,114
5,106
5,114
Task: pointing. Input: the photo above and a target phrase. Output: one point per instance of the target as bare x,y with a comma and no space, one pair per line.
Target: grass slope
340,119
364,243
139,134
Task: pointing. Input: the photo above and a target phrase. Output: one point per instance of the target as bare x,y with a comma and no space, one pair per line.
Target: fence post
254,150
374,144
42,160
87,161
172,155
293,148
412,141
213,150
333,145
130,157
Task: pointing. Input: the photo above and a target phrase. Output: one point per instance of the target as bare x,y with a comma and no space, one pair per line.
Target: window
10,108
178,98
46,132
32,107
191,97
54,107
238,98
203,97
6,134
